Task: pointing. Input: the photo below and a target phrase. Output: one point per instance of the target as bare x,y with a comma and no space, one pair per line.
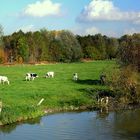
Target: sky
108,17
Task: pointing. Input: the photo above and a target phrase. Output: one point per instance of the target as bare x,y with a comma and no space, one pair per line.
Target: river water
93,125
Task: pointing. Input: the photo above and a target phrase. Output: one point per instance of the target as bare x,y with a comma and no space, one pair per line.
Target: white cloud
42,9
26,28
98,10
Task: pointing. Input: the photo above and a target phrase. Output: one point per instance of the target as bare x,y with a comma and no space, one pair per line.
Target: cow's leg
106,100
8,82
98,99
102,100
27,78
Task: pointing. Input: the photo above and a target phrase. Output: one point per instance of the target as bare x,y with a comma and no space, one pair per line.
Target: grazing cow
4,79
30,76
50,74
75,76
103,97
102,78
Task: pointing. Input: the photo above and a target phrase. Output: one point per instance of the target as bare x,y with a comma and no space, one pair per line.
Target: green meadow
20,98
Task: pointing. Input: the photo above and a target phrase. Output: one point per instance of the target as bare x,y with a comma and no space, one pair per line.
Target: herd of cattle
32,76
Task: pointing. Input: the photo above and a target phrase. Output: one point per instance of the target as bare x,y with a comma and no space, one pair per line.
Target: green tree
129,50
69,48
112,45
23,49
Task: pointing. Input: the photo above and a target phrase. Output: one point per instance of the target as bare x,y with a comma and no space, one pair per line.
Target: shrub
124,83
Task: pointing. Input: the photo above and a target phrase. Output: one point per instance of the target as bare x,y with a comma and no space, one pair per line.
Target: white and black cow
50,74
30,76
4,79
103,97
75,76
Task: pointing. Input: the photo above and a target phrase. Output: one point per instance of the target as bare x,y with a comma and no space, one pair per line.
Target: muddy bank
112,106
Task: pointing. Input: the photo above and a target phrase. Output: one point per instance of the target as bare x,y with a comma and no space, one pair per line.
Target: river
87,125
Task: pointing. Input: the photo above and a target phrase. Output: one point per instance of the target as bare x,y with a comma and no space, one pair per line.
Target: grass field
21,97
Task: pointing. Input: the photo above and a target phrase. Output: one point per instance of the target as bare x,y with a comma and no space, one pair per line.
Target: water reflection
9,128
103,112
98,125
128,122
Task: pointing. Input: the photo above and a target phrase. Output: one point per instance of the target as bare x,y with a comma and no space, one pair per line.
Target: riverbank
111,107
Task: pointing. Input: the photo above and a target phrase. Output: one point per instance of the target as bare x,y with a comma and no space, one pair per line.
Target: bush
124,83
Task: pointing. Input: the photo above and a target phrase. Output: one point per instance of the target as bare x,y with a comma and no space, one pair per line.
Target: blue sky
108,17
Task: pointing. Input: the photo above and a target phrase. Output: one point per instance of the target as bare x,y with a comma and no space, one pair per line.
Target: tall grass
20,98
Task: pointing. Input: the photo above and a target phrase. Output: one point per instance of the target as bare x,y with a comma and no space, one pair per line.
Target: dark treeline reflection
12,127
128,121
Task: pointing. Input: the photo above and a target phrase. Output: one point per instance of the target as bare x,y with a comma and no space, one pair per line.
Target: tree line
43,45
64,46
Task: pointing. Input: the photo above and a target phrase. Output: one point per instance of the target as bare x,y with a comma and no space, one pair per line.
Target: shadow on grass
89,82
93,93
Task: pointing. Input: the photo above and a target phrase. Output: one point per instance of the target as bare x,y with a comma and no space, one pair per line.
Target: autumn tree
129,50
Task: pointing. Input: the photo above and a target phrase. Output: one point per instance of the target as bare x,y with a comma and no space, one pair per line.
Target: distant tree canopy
60,46
98,46
64,46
